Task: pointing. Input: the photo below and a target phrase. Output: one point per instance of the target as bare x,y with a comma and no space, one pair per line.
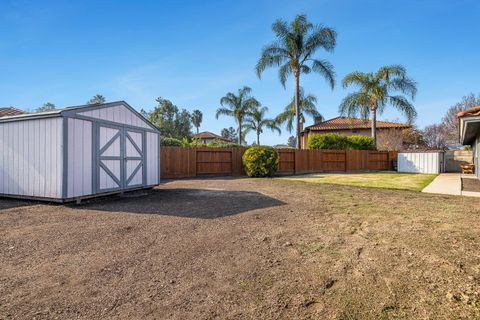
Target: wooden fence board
178,162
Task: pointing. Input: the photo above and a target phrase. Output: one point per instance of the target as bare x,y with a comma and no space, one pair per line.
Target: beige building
389,134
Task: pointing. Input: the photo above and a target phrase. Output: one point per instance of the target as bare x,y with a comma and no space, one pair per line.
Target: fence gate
215,162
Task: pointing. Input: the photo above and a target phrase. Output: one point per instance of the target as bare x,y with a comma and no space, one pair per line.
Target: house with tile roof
10,111
206,136
389,134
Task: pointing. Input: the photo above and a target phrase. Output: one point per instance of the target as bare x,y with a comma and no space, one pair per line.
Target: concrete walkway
449,183
445,183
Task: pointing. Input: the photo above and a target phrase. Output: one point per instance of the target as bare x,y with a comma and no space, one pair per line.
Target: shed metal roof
72,110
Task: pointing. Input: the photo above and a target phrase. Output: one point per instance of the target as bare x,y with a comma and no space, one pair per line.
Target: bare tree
435,137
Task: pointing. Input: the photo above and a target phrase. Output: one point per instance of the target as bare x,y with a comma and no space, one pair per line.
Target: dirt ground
469,184
243,249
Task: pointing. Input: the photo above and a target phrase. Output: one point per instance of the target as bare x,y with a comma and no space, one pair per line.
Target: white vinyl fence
421,162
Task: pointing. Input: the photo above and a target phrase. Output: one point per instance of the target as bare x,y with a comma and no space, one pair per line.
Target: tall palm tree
293,52
307,107
376,91
257,121
238,106
197,117
98,98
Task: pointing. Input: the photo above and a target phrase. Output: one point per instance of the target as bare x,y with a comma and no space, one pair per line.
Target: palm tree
307,107
98,98
257,121
293,52
197,117
238,106
375,92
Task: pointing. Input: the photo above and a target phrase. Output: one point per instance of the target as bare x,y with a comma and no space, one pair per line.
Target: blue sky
193,52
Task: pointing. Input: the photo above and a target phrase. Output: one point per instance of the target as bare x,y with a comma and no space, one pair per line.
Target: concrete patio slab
445,183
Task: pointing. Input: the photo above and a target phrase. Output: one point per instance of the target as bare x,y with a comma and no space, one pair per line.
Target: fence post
346,160
295,161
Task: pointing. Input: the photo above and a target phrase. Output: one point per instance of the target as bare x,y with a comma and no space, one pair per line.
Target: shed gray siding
79,167
153,158
31,161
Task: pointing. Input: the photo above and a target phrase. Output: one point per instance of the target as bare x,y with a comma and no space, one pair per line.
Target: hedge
170,142
332,141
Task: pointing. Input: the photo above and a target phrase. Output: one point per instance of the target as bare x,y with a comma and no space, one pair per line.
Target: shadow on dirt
6,203
192,203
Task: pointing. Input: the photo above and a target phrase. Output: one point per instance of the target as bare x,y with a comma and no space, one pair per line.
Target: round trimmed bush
260,161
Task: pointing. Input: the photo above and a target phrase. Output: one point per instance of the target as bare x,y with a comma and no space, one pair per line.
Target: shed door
110,158
120,158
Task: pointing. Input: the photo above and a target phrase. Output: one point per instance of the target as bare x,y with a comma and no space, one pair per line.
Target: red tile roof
208,135
472,112
10,111
346,123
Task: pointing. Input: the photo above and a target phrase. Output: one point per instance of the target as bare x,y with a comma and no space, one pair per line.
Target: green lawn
386,180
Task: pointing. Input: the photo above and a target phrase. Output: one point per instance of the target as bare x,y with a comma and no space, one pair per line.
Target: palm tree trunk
374,126
197,129
297,107
258,138
240,132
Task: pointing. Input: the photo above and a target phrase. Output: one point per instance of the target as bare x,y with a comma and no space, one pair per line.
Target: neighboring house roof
472,112
208,135
469,125
346,123
10,111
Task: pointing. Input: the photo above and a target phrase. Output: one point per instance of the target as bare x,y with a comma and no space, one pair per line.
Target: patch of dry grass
384,180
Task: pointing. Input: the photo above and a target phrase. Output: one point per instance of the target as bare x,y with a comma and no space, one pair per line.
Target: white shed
78,152
421,162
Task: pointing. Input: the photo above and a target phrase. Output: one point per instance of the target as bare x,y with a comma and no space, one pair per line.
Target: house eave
469,129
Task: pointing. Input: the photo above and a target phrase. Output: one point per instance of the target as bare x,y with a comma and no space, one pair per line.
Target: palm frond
355,104
360,79
405,85
324,68
404,106
322,37
223,112
284,72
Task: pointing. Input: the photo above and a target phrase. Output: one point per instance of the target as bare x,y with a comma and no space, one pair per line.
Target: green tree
197,117
46,107
292,141
171,121
239,107
293,52
257,121
229,133
307,107
98,98
376,91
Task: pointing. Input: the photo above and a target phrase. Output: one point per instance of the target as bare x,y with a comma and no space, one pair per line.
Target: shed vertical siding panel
27,148
79,158
152,158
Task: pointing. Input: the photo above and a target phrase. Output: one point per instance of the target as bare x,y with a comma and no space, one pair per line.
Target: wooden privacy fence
179,162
